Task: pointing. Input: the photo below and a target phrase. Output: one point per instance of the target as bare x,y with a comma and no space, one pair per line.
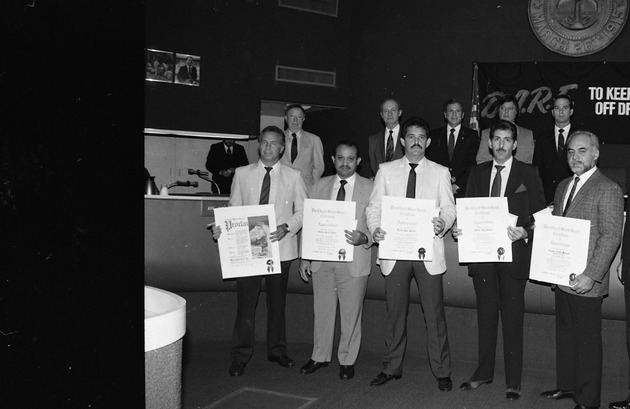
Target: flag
474,105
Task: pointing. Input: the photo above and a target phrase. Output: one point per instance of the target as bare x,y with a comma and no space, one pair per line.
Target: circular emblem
577,27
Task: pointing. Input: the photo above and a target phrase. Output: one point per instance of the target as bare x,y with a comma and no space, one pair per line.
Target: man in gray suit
588,195
383,146
337,281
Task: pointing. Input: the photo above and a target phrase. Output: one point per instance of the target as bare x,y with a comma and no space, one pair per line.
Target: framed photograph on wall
188,68
159,65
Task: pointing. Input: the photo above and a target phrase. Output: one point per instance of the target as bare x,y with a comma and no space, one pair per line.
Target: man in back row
383,146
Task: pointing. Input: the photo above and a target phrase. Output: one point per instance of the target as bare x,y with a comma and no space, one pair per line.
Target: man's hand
279,234
454,188
456,232
355,237
305,270
216,231
438,225
379,235
582,284
516,233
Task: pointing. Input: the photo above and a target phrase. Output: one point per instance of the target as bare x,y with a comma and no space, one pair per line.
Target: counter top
188,197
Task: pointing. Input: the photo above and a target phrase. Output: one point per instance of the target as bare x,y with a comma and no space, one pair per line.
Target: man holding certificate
337,281
500,287
587,195
413,176
267,182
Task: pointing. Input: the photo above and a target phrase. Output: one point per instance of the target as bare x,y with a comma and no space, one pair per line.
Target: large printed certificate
409,229
483,222
560,248
244,245
323,236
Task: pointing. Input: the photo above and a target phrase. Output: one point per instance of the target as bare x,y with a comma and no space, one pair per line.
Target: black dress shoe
472,385
282,360
311,366
512,393
383,378
445,384
346,372
624,404
578,406
557,394
237,368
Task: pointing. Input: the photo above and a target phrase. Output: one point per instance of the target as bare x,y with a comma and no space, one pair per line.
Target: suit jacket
310,157
433,181
287,195
182,73
524,146
219,160
323,188
600,200
376,150
525,196
552,167
464,154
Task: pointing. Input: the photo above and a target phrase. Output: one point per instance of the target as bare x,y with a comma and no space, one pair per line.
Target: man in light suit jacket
500,287
433,182
460,157
589,196
287,193
337,281
380,149
223,158
508,111
304,150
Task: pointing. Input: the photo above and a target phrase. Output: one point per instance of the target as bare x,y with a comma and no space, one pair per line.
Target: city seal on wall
577,27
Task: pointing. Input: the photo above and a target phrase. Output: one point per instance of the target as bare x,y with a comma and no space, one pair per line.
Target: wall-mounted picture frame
188,68
159,65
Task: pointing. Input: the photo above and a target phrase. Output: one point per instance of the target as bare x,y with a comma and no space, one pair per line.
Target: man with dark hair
223,158
383,146
414,176
454,146
188,72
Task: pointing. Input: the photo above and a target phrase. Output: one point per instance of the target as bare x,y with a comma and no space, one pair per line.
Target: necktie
229,150
560,141
293,147
389,154
341,195
496,184
411,182
566,207
451,143
266,186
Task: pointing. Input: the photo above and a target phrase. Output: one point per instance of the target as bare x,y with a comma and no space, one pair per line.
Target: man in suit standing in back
588,195
337,281
223,158
454,146
383,146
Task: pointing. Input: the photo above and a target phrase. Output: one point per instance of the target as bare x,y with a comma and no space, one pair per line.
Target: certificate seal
577,27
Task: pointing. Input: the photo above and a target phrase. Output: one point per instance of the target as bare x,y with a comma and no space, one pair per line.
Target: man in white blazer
433,182
337,281
287,193
304,151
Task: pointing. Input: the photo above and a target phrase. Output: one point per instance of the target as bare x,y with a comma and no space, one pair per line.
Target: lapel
484,183
380,147
513,178
583,194
329,188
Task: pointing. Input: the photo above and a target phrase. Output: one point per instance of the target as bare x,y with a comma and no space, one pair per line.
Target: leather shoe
383,378
624,404
557,394
237,368
472,385
512,393
346,372
445,384
282,360
578,406
311,366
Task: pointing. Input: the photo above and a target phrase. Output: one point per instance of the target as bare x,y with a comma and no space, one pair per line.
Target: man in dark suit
454,146
338,282
589,195
187,73
550,155
223,158
384,146
500,287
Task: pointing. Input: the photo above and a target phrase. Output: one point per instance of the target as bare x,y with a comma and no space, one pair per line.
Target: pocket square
521,188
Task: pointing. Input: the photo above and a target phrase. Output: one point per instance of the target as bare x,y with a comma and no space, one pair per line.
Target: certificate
409,229
245,248
483,222
323,236
560,249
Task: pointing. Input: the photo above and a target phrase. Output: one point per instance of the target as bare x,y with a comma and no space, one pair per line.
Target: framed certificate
323,236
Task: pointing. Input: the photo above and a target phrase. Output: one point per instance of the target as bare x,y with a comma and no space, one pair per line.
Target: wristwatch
286,226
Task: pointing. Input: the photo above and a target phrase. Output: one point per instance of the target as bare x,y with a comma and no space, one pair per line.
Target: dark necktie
229,150
570,199
341,194
389,154
560,141
451,144
496,184
411,182
266,186
293,147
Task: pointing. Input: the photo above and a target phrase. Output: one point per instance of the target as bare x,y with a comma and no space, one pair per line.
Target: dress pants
579,346
497,294
333,284
397,285
248,290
